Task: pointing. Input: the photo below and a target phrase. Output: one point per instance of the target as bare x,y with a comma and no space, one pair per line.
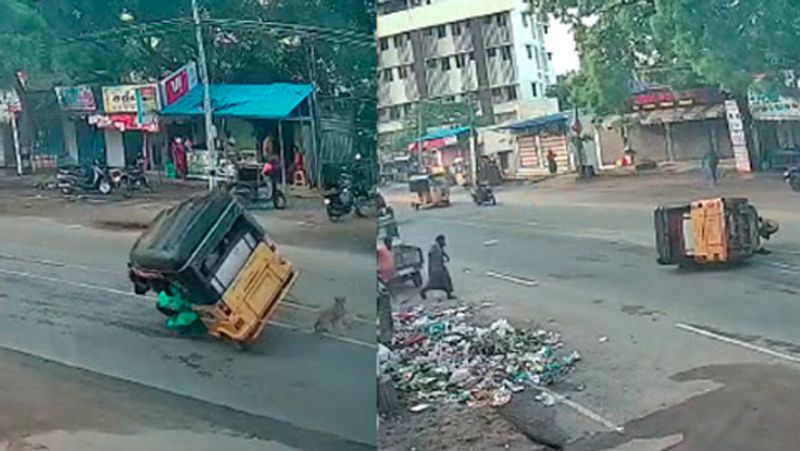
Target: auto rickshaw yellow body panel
251,300
709,231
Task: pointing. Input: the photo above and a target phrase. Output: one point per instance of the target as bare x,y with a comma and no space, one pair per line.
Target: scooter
341,202
94,179
483,194
792,178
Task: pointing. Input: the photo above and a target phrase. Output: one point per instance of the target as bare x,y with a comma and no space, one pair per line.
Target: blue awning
273,101
539,123
446,133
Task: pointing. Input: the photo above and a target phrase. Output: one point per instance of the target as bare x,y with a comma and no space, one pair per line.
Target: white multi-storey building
489,51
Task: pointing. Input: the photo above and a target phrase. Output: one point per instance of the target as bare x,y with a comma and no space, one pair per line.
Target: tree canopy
73,41
679,43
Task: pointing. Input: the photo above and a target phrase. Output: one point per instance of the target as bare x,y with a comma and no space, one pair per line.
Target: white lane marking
491,242
57,264
89,286
585,411
733,341
512,279
53,263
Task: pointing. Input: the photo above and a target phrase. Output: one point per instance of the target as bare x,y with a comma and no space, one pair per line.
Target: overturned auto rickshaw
432,191
209,255
710,231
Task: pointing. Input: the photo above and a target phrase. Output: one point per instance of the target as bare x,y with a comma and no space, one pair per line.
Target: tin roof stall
445,149
255,120
535,138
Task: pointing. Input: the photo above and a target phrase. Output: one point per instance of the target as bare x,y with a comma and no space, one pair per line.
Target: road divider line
513,279
583,410
89,286
740,343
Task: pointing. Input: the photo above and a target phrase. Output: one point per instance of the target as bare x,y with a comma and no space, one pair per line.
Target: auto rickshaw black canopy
176,233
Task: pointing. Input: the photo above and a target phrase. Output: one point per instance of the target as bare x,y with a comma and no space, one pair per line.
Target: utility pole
206,82
473,136
420,128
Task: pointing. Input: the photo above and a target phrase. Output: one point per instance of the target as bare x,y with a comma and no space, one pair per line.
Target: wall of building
690,141
70,140
115,149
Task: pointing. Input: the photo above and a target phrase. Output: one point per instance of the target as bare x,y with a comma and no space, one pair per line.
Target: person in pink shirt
385,261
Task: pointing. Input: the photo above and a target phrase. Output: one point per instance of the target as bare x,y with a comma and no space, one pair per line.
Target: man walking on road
438,275
710,163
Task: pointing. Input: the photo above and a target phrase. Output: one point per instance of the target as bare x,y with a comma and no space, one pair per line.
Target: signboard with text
736,127
179,83
670,99
773,107
131,99
76,98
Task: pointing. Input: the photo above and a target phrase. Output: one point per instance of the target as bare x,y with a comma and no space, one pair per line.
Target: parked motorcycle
483,194
341,201
792,178
93,179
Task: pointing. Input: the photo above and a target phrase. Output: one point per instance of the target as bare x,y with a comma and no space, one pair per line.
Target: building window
428,32
431,64
525,20
491,53
512,93
446,63
472,56
394,113
534,90
549,56
402,72
536,54
546,29
441,31
398,41
506,51
487,20
456,29
501,19
529,48
450,99
461,61
387,75
384,43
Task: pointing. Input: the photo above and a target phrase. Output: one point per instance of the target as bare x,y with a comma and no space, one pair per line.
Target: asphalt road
581,260
64,298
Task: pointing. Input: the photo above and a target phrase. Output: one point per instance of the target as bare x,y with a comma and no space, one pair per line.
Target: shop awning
273,101
535,125
439,138
669,116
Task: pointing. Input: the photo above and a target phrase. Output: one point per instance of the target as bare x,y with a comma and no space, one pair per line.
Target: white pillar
115,149
70,139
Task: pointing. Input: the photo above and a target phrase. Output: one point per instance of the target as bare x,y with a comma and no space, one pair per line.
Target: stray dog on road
332,317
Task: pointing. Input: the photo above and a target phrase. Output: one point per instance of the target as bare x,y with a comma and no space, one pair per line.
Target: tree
679,43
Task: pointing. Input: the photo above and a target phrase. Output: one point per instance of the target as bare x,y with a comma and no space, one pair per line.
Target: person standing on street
438,275
179,157
385,261
710,164
552,165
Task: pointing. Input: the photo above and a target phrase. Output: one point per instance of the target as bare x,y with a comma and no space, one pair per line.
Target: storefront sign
736,127
9,104
123,123
76,98
773,107
670,99
131,99
179,83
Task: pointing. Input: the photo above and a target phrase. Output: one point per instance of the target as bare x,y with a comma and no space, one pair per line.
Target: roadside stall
253,121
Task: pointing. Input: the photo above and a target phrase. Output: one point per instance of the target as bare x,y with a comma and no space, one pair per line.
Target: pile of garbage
441,355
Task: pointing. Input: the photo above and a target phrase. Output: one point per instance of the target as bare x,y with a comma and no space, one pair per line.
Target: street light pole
473,158
206,83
